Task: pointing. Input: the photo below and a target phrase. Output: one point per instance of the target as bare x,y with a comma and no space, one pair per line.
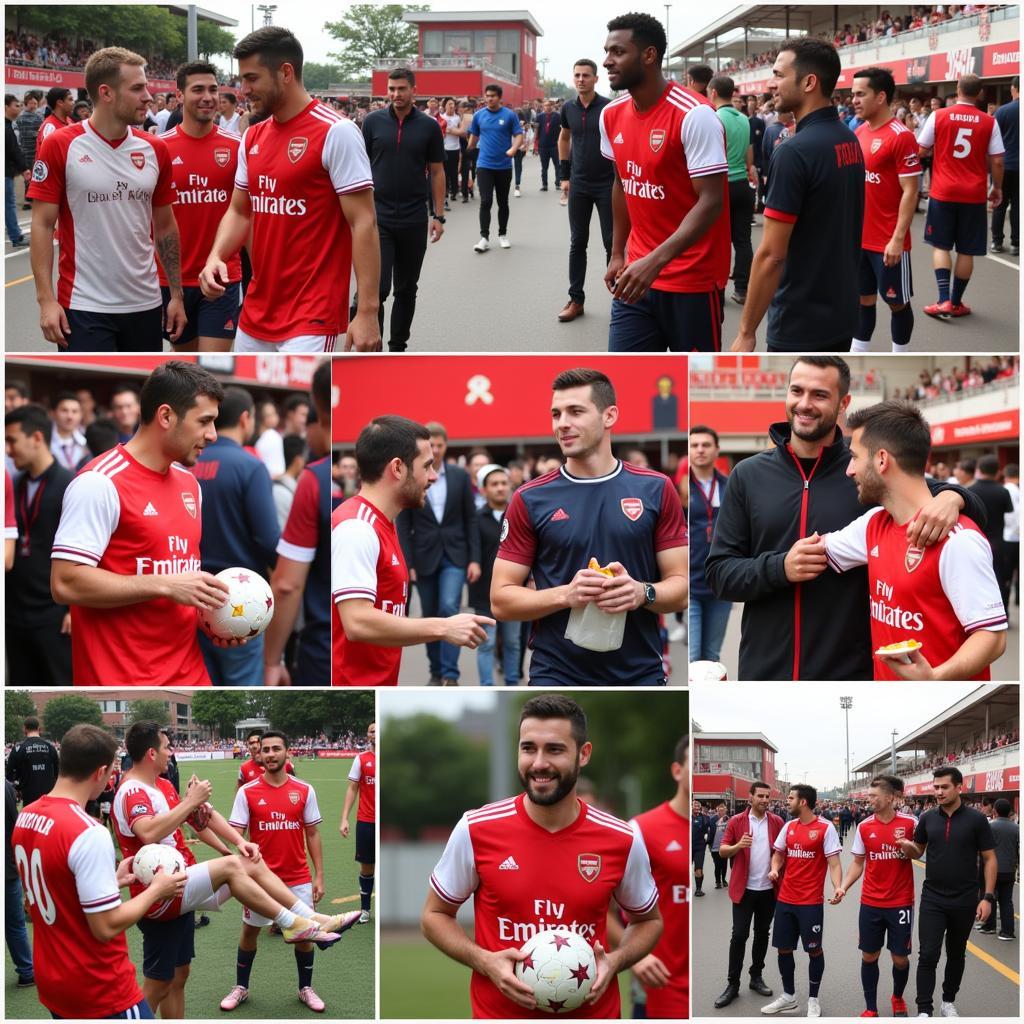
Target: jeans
493,183
402,249
14,234
15,931
509,654
1011,197
933,922
441,594
233,666
757,906
708,620
451,172
581,209
741,209
550,155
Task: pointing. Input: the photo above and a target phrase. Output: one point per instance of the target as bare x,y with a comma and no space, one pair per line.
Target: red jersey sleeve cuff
786,218
515,556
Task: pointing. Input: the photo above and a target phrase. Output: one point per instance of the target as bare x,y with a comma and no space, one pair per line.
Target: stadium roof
759,737
967,713
435,17
202,12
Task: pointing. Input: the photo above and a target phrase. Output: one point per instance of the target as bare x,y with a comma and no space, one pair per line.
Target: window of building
433,43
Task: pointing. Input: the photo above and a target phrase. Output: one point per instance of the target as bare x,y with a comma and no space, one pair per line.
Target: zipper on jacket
797,587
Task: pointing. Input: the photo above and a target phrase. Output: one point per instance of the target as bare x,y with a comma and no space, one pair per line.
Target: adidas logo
874,551
149,510
674,847
230,325
262,803
872,836
508,864
177,160
85,159
255,149
394,559
559,516
618,138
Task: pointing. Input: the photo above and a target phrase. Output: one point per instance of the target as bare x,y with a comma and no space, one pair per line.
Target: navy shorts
208,318
667,321
115,332
894,284
366,842
140,1011
960,226
797,922
167,945
697,856
875,922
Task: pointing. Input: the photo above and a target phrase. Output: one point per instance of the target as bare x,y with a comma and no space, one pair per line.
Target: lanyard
29,515
709,502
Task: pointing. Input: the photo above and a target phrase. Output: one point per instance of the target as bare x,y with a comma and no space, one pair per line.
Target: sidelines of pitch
274,986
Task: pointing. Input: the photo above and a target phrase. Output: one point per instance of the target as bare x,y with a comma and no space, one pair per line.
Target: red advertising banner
994,426
497,397
738,417
47,77
336,753
999,780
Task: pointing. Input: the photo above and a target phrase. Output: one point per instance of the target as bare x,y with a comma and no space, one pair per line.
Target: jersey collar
580,818
592,479
828,113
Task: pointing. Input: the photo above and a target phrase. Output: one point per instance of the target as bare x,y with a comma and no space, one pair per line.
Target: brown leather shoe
570,312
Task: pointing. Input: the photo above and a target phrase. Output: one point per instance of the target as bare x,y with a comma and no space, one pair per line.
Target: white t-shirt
270,448
451,142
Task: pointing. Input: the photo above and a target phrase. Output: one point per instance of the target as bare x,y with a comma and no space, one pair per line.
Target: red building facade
725,764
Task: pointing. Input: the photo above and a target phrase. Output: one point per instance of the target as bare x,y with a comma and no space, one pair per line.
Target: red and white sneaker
234,998
870,1013
961,310
311,999
940,309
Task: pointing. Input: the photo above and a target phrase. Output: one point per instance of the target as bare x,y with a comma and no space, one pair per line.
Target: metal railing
467,62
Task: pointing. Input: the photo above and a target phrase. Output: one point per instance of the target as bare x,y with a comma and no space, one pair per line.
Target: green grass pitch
343,975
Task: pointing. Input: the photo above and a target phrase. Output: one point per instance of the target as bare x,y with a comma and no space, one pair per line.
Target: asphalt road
508,300
990,989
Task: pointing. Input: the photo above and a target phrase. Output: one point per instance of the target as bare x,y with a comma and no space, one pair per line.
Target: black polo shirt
400,152
591,172
951,857
817,185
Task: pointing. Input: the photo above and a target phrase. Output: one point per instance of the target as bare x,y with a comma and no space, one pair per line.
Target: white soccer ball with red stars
247,611
560,968
154,856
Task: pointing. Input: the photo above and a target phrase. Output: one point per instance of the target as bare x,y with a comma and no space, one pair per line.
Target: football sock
699,879
959,287
942,280
900,977
902,328
365,889
866,322
815,971
787,968
304,962
285,918
244,967
299,909
869,982
860,346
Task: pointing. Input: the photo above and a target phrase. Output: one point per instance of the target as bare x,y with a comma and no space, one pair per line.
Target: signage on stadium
995,426
15,75
337,753
999,780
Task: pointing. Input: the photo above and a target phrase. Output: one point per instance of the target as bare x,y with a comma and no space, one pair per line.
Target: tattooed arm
168,249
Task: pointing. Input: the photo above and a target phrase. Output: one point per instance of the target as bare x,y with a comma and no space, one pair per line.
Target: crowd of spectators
24,49
938,383
936,760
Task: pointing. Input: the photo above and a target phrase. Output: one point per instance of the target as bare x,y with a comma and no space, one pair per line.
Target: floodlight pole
846,703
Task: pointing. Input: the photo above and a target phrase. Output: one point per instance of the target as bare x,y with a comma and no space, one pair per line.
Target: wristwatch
440,220
990,897
650,594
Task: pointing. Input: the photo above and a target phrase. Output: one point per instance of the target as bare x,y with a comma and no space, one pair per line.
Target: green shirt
737,139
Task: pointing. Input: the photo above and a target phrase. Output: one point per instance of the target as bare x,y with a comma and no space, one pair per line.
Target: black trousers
721,866
401,257
581,210
935,923
1011,197
757,907
1004,901
451,172
469,157
38,655
741,209
549,155
491,184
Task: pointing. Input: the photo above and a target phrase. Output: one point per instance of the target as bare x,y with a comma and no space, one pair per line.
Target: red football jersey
250,771
277,818
938,595
807,848
51,123
963,138
294,172
666,835
66,862
130,520
10,516
203,171
524,879
890,153
656,155
364,771
888,875
366,563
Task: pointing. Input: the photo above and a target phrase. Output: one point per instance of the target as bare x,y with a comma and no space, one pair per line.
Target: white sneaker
517,193
924,1015
364,916
482,246
947,1010
784,1004
504,242
813,1007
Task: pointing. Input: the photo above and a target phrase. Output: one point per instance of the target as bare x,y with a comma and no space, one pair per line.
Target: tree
370,33
552,88
64,712
317,77
308,712
220,709
18,705
149,711
212,39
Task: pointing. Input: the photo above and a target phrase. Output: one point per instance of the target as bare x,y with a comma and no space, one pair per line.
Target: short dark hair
140,738
65,396
1003,807
235,402
888,783
899,428
947,771
682,748
435,429
31,723
230,97
586,62
294,447
100,436
56,94
407,73
292,402
253,732
1011,469
759,784
988,465
701,73
1015,84
702,429
554,705
805,792
178,385
723,85
276,735
879,80
32,419
493,87
968,465
320,387
10,98
841,366
195,67
16,384
83,749
969,86
646,29
274,45
120,389
385,438
813,56
601,391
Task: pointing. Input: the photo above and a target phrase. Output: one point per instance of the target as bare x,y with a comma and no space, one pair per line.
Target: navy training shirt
817,185
591,172
1008,119
555,525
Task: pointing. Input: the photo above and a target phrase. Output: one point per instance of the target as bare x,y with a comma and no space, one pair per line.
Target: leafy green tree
146,710
552,88
212,39
64,712
371,32
307,712
18,705
220,709
318,77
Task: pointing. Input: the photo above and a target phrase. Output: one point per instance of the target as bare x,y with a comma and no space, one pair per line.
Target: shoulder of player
491,812
539,481
608,821
357,520
156,141
651,474
612,107
187,472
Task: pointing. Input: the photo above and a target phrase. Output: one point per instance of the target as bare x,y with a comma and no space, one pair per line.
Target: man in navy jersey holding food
593,507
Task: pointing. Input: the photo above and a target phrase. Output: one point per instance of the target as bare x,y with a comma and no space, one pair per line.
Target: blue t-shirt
494,131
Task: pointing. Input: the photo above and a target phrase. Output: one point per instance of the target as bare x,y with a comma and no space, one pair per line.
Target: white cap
485,471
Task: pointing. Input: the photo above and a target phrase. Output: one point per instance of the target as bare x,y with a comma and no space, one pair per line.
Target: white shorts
300,343
303,892
199,892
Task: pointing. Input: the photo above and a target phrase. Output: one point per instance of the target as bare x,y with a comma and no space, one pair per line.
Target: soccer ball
560,968
153,856
248,610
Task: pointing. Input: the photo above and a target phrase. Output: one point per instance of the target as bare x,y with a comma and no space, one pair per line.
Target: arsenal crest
222,156
589,865
632,508
189,501
296,147
139,160
813,834
876,145
657,139
913,558
899,833
293,798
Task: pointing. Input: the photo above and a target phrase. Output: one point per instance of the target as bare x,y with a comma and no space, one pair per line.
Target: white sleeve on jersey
239,816
91,860
831,845
454,878
606,143
969,581
637,892
356,771
780,840
346,159
858,842
996,146
926,138
703,138
242,168
88,518
847,548
311,814
355,548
